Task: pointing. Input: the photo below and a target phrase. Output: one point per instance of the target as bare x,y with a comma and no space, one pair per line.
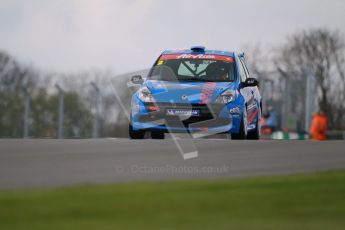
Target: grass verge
308,201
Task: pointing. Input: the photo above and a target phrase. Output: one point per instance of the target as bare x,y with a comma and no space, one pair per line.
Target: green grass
310,201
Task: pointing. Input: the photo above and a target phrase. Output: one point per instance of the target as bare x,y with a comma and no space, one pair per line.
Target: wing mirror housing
250,82
137,79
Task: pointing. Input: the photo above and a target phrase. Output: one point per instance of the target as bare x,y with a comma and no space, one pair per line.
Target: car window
188,67
185,69
241,70
245,67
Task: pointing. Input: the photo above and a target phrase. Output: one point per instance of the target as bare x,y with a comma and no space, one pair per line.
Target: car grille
204,114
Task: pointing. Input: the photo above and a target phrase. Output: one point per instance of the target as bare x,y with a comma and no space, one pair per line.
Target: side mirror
250,82
137,79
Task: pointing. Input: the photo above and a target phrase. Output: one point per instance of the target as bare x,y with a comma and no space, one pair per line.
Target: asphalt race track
33,163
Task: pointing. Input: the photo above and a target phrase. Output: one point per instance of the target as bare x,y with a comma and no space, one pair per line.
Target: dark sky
126,35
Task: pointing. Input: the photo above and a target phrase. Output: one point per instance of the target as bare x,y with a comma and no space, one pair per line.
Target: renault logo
184,97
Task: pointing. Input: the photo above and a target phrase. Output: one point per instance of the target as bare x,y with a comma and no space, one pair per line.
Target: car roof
199,50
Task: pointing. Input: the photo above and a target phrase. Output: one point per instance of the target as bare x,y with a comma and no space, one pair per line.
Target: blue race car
196,91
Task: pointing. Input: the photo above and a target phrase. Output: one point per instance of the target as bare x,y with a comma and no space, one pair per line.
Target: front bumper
213,118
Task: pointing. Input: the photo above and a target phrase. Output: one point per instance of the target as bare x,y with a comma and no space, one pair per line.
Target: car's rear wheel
255,134
136,134
242,134
157,135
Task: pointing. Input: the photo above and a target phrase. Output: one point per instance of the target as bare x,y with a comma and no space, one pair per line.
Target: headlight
145,95
226,97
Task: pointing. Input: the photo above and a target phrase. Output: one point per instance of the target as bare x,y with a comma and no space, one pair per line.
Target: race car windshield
186,67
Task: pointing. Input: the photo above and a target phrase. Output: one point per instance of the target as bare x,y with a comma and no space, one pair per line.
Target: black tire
157,135
243,128
255,134
136,134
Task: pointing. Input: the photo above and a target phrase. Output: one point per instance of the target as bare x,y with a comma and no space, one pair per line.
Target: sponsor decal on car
184,112
195,56
207,92
160,62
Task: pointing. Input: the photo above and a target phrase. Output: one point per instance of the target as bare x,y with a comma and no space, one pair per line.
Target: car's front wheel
157,135
135,134
255,134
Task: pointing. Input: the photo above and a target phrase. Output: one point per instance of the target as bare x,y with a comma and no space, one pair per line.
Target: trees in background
15,81
319,53
44,115
315,53
19,84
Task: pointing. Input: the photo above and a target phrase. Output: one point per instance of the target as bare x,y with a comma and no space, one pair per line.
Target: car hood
187,92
